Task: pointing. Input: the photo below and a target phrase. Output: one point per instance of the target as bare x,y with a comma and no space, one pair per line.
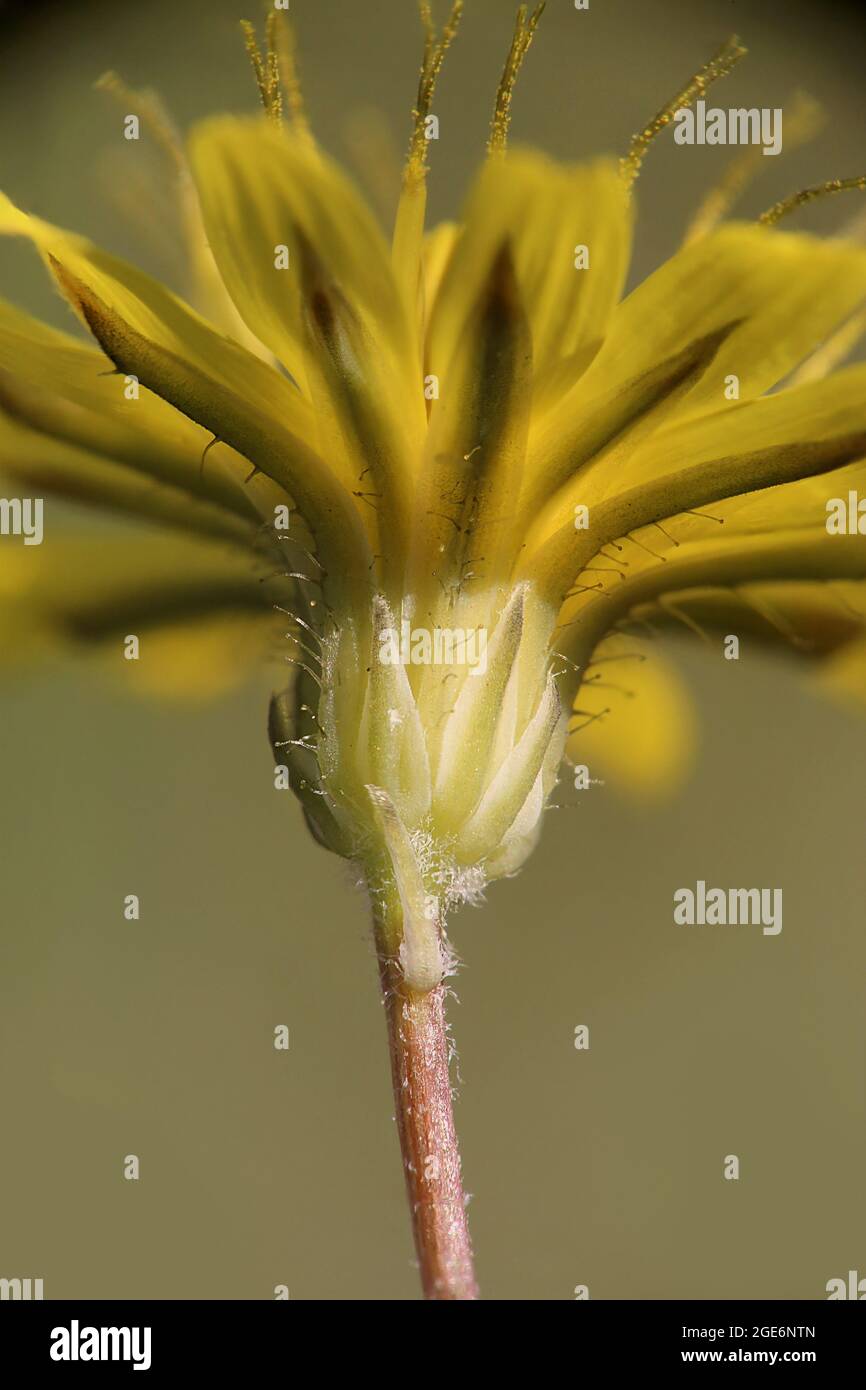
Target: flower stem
425,1122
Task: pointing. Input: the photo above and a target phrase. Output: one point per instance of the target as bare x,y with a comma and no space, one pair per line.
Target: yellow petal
779,293
809,619
827,416
55,383
43,466
80,573
805,432
645,744
437,251
160,317
260,190
408,249
202,618
466,493
149,333
844,674
309,270
198,660
547,212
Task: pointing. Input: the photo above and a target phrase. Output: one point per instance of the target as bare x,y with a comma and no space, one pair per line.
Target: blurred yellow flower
471,437
471,433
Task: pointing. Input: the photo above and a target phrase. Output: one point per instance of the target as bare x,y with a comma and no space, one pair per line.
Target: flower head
462,466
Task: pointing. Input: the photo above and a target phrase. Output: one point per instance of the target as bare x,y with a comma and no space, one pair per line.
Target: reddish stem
428,1140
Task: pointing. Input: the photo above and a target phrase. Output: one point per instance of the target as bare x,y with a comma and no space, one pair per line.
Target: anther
434,57
524,33
809,195
804,118
265,67
153,114
720,65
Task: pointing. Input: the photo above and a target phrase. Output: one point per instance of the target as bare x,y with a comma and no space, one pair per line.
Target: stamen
272,66
809,195
802,123
150,109
727,57
286,49
524,33
434,56
254,54
266,68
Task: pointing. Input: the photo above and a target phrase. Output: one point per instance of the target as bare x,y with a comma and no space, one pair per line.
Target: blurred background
154,1037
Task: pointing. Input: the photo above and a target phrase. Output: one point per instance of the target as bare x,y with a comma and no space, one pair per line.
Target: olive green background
155,1038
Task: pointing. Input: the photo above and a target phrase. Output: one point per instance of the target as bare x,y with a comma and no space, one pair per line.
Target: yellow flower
461,465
